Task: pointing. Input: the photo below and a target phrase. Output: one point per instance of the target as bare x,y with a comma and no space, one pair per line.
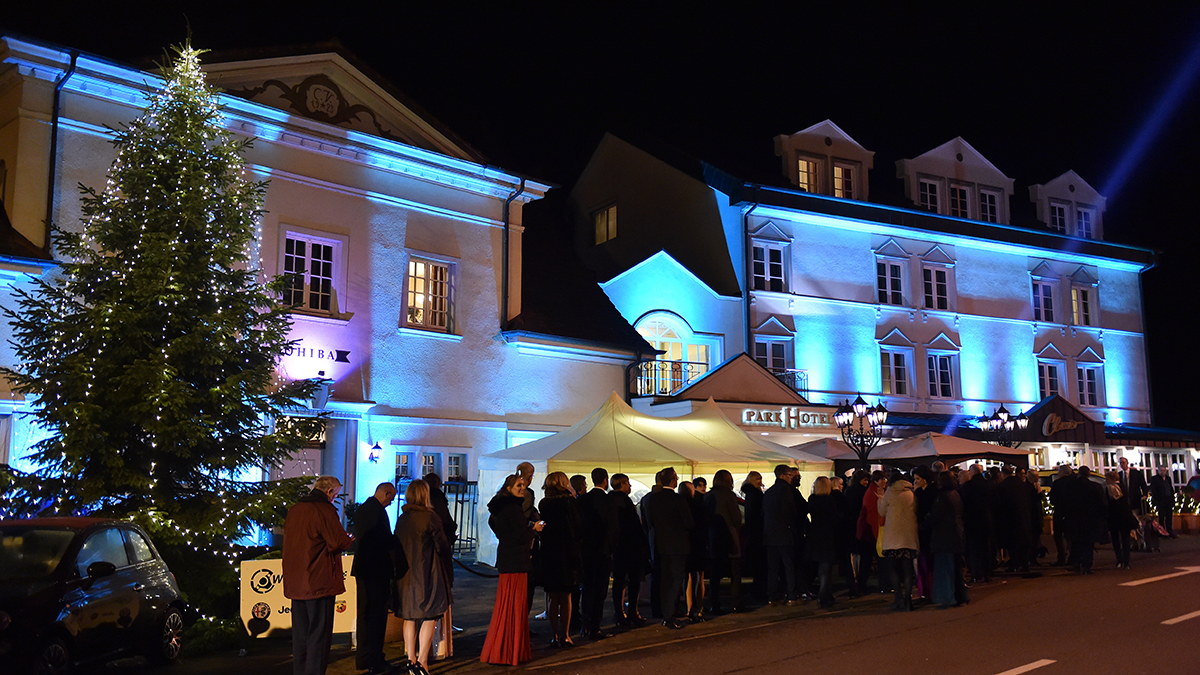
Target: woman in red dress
507,641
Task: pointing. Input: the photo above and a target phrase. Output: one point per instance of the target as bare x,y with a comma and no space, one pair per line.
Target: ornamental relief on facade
319,98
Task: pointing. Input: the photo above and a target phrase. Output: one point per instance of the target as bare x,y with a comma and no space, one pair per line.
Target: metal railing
796,380
664,378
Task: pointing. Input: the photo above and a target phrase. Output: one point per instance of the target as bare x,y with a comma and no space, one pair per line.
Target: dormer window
1058,217
960,201
929,195
843,181
989,206
1083,223
808,172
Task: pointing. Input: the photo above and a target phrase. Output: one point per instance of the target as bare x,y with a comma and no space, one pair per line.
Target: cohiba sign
784,418
1055,424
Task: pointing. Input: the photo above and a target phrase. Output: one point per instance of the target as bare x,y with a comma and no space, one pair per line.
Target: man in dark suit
669,521
977,499
1088,509
373,570
600,537
629,556
1014,519
1162,495
1133,485
779,536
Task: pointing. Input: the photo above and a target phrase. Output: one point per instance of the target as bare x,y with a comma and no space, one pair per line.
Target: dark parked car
78,590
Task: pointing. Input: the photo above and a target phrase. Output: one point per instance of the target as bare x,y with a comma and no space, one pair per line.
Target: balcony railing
796,380
664,378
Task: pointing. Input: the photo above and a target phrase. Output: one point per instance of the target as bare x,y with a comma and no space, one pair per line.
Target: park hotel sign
787,417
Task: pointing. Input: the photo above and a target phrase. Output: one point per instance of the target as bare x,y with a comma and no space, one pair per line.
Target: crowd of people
925,536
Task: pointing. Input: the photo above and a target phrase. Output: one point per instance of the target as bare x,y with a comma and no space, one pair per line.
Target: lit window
308,263
1081,305
843,181
1048,382
1043,301
807,176
1088,383
768,268
685,356
941,375
431,462
429,291
606,224
893,368
989,211
928,196
456,468
403,466
1058,218
937,295
1083,223
889,283
959,202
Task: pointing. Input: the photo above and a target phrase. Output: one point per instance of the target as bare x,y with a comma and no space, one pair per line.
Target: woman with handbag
425,588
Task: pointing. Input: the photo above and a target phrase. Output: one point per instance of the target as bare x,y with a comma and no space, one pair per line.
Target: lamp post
861,426
1001,426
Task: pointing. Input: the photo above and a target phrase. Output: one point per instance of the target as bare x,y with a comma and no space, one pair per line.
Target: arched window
686,355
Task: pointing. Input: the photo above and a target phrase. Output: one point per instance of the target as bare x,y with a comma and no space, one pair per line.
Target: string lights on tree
150,355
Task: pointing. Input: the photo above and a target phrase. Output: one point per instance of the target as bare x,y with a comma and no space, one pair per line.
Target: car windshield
31,552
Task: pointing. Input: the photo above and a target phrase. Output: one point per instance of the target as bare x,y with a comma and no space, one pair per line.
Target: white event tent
927,447
623,440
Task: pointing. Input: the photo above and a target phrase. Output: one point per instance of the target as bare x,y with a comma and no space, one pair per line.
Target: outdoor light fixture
373,456
1000,427
861,426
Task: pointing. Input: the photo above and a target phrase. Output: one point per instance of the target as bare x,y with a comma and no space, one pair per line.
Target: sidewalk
474,596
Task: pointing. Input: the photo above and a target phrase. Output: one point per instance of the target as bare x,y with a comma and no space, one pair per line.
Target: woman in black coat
944,527
560,561
425,588
821,545
725,540
697,560
507,641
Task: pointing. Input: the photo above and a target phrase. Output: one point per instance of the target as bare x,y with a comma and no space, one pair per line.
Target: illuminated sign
1055,424
784,418
335,355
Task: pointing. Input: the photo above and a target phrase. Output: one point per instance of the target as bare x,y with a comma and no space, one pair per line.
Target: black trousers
781,560
673,570
312,633
596,571
626,588
373,593
732,569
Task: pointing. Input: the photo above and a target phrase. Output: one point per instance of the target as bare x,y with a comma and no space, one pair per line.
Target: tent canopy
930,446
622,439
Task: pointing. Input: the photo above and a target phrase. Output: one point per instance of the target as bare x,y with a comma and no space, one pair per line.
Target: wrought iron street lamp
1002,426
861,426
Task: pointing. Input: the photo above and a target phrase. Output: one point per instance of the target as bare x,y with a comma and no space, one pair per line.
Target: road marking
1150,580
1181,619
1028,667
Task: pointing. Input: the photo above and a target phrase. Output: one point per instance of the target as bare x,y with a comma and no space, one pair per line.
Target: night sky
1036,92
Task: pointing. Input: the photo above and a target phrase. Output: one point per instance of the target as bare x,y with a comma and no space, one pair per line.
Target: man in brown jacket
313,541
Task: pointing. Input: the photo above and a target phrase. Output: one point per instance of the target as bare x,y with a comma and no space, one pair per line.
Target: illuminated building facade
944,299
406,246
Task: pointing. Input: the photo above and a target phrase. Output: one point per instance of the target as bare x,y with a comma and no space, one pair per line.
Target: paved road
1139,621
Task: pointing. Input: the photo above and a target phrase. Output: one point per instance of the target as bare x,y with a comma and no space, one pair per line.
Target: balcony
796,380
664,378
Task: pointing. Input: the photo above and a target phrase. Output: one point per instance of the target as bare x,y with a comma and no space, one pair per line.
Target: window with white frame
768,267
941,374
1049,382
927,195
605,220
1058,217
686,355
404,466
313,268
843,181
935,285
1043,300
456,467
893,370
1081,305
431,462
889,282
960,201
1088,379
1083,223
808,176
772,354
429,294
989,206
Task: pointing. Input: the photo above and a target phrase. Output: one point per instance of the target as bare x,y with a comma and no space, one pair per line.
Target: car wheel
170,637
54,658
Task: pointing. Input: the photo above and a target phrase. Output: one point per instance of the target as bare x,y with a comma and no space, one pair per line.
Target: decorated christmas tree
150,355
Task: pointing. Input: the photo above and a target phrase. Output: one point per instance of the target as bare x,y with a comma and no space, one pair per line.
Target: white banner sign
266,610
